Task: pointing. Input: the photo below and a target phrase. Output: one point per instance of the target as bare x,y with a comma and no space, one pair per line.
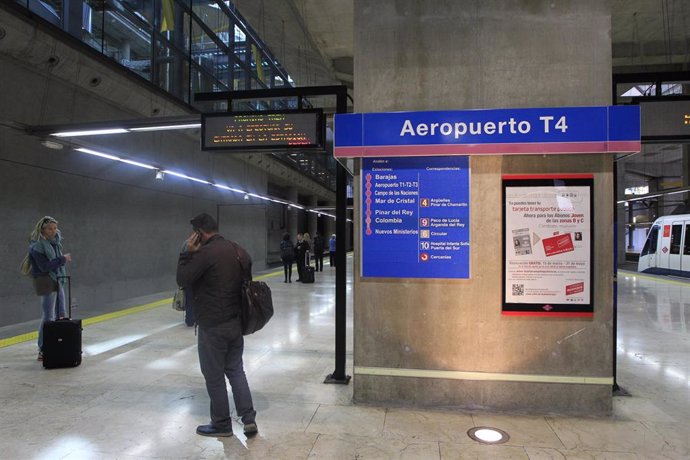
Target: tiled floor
139,393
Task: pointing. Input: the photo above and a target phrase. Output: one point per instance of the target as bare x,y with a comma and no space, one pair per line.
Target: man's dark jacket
215,276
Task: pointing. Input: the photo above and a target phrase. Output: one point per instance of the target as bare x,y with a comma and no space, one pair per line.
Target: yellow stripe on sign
486,376
108,316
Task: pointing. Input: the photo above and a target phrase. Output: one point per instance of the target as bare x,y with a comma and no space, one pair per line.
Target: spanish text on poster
547,245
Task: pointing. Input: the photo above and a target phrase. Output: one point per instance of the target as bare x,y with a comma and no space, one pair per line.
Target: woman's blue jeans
48,305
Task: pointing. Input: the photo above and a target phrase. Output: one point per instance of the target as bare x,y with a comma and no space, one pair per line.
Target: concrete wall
444,55
123,227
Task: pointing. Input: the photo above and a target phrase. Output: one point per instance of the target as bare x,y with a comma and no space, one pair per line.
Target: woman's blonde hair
40,225
25,266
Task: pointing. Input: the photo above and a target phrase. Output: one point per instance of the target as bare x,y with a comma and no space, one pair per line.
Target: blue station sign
416,217
558,130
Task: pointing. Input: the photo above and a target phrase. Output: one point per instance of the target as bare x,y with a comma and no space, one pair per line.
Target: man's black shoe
210,430
250,429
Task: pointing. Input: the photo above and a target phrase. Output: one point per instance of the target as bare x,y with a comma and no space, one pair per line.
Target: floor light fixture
488,435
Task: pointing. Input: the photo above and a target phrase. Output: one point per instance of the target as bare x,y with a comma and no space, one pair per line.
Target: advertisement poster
416,217
548,247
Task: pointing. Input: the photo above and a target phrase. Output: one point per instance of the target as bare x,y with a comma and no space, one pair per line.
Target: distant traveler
45,262
301,249
210,267
318,252
331,250
287,255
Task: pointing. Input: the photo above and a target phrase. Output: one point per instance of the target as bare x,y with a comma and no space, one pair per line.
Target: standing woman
306,255
47,264
287,255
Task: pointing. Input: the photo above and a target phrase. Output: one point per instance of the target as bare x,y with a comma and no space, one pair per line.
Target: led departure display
262,130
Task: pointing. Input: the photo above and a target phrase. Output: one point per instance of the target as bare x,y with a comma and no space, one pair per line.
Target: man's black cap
204,222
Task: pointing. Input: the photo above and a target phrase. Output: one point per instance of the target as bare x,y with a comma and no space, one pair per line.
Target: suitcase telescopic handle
69,296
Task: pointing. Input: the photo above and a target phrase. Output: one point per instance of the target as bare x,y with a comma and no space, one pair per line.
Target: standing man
210,267
318,252
331,250
301,249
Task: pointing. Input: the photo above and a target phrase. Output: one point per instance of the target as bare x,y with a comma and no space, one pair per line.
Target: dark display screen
665,119
262,130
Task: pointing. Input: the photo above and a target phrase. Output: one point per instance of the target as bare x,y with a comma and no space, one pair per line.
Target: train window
676,231
650,244
686,244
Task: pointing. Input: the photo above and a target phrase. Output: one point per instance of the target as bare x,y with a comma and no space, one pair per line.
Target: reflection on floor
139,393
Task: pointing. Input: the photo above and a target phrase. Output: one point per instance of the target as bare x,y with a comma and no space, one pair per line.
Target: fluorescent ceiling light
225,187
161,172
113,157
98,154
92,132
136,163
184,176
167,127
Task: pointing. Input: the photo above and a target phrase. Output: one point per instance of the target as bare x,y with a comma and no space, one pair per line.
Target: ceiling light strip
167,127
185,176
91,132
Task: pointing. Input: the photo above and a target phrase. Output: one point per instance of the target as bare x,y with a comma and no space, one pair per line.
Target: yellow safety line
659,278
487,376
108,316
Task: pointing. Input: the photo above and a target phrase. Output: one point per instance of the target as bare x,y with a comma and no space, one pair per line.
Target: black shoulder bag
257,303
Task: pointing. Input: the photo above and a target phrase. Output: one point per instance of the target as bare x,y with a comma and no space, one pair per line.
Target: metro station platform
139,393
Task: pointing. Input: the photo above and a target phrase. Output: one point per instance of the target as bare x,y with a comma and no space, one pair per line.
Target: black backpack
257,302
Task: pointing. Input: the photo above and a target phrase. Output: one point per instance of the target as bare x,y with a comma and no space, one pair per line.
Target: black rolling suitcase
308,272
62,338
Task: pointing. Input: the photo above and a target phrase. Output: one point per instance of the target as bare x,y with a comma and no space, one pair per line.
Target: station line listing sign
415,217
558,130
547,243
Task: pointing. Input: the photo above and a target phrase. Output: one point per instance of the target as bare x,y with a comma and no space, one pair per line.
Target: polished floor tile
139,393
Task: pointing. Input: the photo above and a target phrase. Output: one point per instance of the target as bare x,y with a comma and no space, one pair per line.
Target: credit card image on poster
558,244
521,242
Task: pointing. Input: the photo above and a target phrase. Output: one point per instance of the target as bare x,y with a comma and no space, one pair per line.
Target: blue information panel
416,217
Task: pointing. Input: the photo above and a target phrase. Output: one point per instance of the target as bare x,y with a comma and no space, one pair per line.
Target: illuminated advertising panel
547,245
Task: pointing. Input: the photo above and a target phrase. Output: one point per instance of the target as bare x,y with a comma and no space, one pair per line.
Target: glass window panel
123,36
174,25
240,36
92,34
676,230
144,10
686,243
203,81
208,55
215,19
626,91
50,10
172,71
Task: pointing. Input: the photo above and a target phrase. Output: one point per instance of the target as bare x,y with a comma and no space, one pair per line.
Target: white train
666,250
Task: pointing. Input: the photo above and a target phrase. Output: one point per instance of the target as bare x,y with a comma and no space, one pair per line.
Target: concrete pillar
125,51
430,55
292,214
311,217
329,223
